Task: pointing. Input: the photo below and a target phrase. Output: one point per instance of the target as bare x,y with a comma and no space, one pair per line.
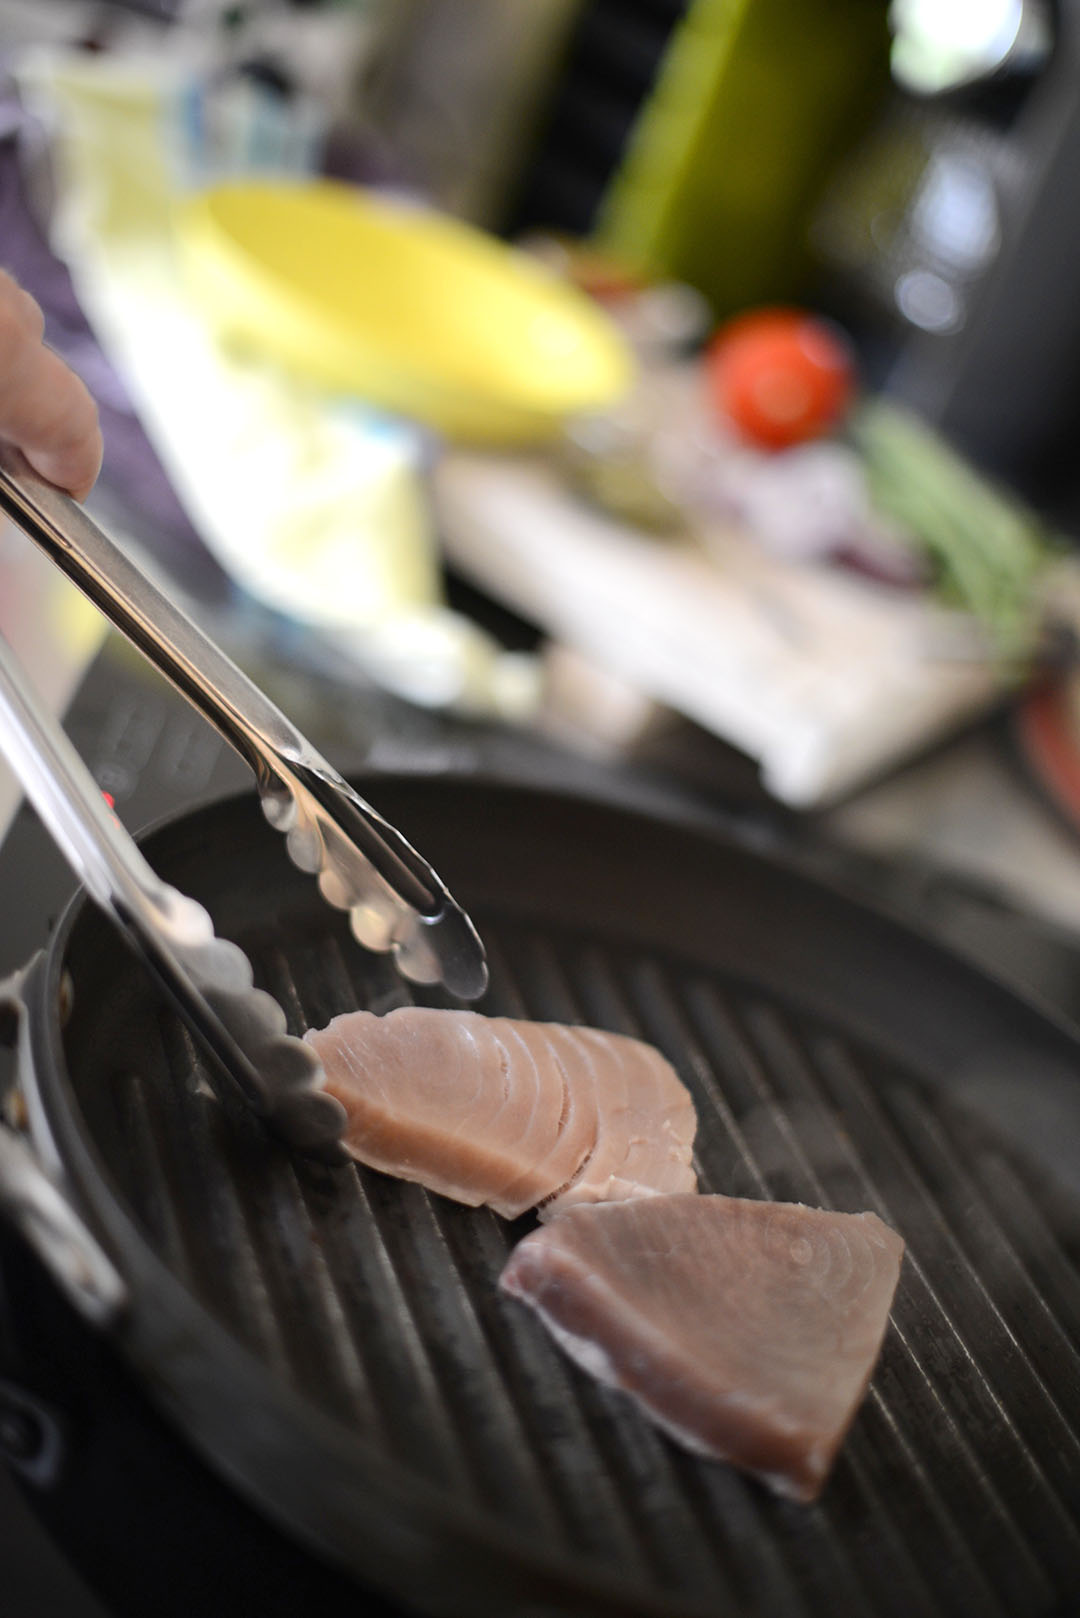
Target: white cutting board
822,676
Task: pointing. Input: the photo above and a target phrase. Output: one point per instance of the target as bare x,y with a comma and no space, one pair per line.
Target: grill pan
330,1343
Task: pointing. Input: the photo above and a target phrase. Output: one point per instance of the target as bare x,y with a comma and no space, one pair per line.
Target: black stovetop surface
155,757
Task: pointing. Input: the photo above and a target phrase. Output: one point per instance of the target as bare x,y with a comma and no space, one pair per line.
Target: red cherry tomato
780,376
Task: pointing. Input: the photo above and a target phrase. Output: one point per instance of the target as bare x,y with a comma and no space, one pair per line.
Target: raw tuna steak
645,1119
510,1113
747,1330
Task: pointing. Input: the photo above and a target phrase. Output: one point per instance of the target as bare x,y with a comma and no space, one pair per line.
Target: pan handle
208,978
31,1198
396,902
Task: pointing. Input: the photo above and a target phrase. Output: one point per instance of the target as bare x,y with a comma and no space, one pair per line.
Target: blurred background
596,368
686,386
661,395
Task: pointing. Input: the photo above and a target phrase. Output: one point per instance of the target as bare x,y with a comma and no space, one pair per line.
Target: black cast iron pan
340,1409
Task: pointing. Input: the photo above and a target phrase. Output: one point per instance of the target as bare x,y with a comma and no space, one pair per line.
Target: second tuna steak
747,1330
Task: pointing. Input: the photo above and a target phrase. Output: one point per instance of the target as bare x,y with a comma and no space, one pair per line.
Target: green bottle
754,103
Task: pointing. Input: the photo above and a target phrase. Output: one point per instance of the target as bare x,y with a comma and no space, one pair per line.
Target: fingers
57,427
44,407
24,309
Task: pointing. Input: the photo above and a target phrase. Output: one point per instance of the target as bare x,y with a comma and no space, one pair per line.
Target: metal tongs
395,900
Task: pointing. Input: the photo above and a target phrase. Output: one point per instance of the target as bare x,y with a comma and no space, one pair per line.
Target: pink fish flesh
747,1330
506,1112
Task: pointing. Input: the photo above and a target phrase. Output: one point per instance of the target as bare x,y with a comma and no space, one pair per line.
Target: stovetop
155,757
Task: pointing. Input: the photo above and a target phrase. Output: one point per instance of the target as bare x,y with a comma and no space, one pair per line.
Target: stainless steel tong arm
395,901
209,978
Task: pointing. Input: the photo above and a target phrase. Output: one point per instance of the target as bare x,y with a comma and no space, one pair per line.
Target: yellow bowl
412,310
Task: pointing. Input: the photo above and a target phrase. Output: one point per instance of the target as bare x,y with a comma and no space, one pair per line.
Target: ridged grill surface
958,1490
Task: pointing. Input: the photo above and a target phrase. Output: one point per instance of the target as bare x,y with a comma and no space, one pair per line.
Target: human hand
44,407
